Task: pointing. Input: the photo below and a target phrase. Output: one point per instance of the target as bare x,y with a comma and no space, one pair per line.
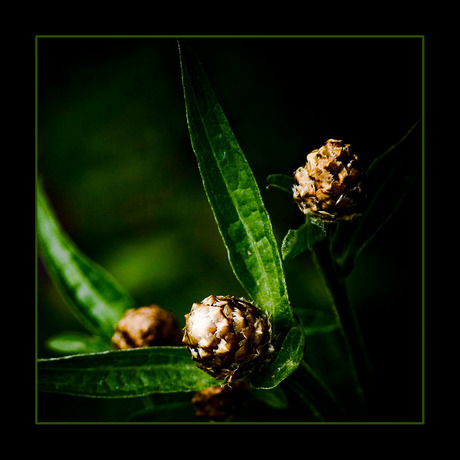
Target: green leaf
281,182
381,210
387,160
297,241
284,363
95,297
71,343
234,197
275,398
123,374
180,411
390,178
315,321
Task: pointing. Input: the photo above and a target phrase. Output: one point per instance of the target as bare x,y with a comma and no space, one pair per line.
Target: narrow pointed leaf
95,297
281,182
181,411
285,362
315,321
297,241
390,177
383,207
385,162
71,343
234,196
123,374
275,398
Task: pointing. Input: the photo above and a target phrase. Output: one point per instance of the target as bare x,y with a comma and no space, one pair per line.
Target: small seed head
146,327
221,402
330,185
227,336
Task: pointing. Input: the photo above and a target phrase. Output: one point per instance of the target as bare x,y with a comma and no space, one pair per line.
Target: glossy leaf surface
123,374
234,196
95,297
284,363
71,343
303,238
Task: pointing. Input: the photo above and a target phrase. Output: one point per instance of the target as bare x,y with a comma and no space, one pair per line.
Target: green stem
306,397
347,321
314,393
147,400
322,396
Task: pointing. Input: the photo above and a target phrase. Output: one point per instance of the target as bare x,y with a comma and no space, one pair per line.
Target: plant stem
306,397
147,401
324,395
315,394
347,321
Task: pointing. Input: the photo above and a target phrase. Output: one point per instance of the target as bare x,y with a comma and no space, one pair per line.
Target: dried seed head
330,185
227,336
220,402
146,327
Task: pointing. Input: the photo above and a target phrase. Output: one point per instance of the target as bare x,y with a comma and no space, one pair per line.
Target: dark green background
115,159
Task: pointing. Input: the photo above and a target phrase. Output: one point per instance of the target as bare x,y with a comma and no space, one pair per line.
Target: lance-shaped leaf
285,362
297,241
180,411
234,196
123,374
316,321
390,177
72,343
280,182
95,297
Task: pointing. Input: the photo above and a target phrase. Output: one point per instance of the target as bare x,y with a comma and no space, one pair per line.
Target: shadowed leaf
234,196
95,297
123,374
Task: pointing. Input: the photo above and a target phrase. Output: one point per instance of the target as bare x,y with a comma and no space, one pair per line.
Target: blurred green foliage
116,162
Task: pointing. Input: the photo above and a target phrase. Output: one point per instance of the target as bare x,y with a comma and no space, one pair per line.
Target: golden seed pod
146,327
222,401
226,336
330,185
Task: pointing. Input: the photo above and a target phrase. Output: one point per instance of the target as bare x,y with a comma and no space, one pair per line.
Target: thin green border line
423,230
35,236
423,271
229,36
233,423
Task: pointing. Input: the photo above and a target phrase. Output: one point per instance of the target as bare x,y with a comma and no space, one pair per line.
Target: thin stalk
319,387
320,392
313,392
306,397
346,320
147,401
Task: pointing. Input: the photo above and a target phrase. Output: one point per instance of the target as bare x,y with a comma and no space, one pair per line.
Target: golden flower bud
222,401
227,336
146,327
330,185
